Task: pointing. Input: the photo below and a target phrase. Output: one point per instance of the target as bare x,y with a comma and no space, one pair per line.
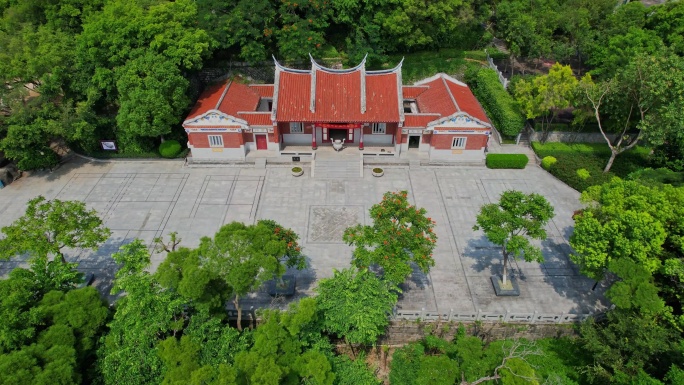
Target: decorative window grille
458,143
296,128
215,141
379,128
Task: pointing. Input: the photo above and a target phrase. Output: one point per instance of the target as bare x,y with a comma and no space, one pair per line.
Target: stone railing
493,66
481,316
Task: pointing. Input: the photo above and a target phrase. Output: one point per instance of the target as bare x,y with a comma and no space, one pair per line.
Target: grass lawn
591,157
420,65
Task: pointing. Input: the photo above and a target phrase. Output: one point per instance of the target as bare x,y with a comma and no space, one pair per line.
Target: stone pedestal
505,292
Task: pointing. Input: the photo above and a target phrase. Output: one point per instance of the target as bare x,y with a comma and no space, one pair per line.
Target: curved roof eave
387,71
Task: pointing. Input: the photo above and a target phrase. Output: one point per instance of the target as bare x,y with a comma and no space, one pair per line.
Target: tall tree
48,227
546,95
244,257
401,234
147,314
645,96
356,305
512,222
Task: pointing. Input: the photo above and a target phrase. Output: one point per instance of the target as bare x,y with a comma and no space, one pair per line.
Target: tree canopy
511,223
402,234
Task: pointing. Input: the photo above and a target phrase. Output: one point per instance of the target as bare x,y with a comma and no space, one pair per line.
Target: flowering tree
401,234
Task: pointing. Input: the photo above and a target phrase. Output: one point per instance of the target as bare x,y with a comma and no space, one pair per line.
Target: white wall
377,140
297,139
449,156
205,154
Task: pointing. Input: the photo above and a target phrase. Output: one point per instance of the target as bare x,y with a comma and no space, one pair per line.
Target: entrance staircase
341,168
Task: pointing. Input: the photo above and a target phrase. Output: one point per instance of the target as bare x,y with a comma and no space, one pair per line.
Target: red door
261,142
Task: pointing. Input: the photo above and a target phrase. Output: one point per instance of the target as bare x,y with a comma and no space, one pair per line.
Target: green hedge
499,104
170,149
507,160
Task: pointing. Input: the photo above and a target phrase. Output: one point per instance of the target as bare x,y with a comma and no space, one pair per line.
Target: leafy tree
401,234
545,95
48,227
348,372
182,360
648,91
282,349
147,314
641,227
512,221
184,271
624,345
244,257
356,305
620,49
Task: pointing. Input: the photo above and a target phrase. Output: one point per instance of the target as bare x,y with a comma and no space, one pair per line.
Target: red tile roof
447,96
264,90
411,92
338,96
419,120
207,100
239,98
257,119
436,99
467,101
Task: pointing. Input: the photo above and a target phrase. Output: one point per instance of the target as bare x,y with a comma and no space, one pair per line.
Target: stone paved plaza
146,199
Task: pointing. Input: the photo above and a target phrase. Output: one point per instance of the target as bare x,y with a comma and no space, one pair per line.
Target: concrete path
145,199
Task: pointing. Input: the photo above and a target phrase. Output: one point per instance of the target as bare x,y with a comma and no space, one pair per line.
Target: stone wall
403,331
571,137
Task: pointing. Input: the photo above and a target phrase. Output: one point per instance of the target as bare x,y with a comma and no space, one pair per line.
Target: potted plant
297,171
377,171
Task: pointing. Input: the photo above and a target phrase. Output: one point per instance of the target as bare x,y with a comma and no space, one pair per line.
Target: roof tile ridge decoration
335,71
459,114
223,95
396,68
363,85
400,91
312,93
276,86
453,99
438,76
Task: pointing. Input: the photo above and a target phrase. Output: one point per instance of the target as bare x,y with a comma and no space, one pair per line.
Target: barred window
215,141
296,128
379,128
458,143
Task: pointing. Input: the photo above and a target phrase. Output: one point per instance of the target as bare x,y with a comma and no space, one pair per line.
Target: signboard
295,159
459,132
260,130
415,131
108,145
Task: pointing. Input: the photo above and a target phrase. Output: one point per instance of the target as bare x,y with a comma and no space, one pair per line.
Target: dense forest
79,71
76,72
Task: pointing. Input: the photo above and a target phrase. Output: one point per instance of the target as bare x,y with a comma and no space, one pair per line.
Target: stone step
335,169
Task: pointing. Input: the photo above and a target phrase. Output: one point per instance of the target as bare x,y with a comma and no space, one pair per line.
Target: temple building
309,109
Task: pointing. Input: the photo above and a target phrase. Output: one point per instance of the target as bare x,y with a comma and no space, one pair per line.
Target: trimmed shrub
548,162
499,104
507,160
658,177
583,173
170,149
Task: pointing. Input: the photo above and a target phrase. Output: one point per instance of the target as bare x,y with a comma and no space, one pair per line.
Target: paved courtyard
149,199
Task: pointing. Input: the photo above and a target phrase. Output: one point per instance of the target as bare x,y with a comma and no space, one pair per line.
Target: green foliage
658,177
501,108
512,221
406,364
280,349
423,64
170,149
355,305
545,95
147,314
548,162
507,161
293,256
401,234
583,173
348,372
623,346
47,227
635,232
592,157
